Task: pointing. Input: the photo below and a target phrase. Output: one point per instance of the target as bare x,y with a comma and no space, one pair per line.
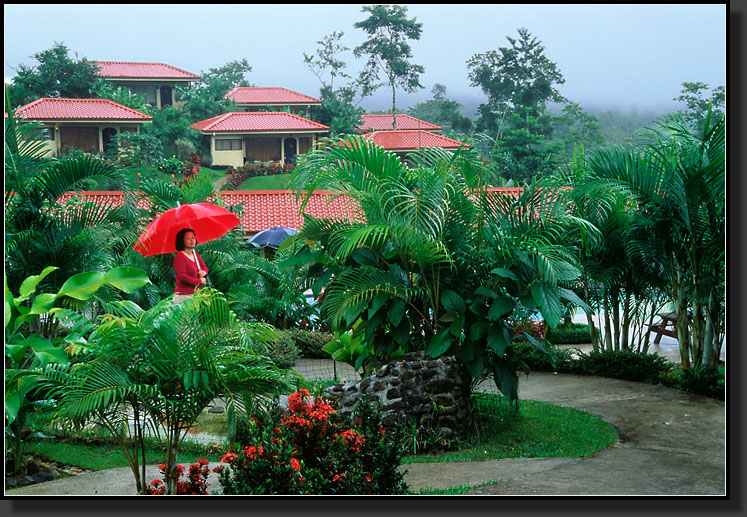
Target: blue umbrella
272,237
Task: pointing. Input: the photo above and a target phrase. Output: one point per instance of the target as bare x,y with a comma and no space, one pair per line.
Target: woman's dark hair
179,245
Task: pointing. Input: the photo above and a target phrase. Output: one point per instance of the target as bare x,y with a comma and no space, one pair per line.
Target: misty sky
612,56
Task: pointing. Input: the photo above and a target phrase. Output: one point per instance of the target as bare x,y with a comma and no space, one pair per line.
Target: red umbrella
208,221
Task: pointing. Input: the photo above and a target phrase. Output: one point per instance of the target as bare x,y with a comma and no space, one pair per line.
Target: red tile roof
408,140
384,122
263,96
79,109
262,209
268,208
129,70
257,121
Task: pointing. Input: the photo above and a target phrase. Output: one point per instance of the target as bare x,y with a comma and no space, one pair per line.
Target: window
234,144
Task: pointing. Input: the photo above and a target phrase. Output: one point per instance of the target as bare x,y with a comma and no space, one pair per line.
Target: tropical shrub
574,334
553,359
310,343
157,370
622,364
309,449
27,352
171,165
707,381
436,263
283,351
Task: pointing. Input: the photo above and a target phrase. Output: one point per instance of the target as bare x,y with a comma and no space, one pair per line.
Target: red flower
203,461
295,465
369,477
229,457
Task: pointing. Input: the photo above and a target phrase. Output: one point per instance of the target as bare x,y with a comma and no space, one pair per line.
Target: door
289,148
166,96
107,135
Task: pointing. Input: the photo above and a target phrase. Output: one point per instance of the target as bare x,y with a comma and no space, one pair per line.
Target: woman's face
190,241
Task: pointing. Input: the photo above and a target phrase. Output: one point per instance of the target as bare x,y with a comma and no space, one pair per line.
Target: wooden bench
662,326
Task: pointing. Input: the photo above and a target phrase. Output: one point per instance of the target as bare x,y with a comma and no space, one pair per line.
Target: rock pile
431,392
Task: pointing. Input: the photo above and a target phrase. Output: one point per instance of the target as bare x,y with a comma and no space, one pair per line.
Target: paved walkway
671,443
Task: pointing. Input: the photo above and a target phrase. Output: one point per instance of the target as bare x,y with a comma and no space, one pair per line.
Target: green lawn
276,182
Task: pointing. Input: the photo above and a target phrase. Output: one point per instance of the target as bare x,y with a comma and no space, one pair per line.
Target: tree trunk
394,106
607,324
681,324
625,338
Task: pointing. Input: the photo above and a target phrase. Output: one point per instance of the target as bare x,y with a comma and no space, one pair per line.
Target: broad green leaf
401,333
538,294
82,286
42,303
506,379
448,317
476,367
127,279
501,306
478,307
396,312
15,352
457,326
452,302
498,338
536,342
528,301
484,291
571,296
8,301
28,286
440,343
13,403
505,273
552,309
45,351
378,300
477,330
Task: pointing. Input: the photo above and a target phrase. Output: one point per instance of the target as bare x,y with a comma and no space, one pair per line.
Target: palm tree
153,372
677,186
435,262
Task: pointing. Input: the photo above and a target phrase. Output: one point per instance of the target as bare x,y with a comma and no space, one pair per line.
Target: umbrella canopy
209,222
271,237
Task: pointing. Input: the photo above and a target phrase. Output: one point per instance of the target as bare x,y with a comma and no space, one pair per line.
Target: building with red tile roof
384,122
404,141
240,137
255,98
82,124
156,82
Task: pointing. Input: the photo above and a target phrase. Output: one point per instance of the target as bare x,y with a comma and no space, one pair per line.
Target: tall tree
575,127
207,97
442,111
519,82
58,74
388,51
338,111
693,95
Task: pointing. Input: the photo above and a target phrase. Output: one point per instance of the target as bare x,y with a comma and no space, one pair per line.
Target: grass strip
541,430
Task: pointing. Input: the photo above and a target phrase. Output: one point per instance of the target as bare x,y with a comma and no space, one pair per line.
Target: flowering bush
195,484
310,449
171,165
236,176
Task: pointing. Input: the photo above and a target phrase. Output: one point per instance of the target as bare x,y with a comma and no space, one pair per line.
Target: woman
191,271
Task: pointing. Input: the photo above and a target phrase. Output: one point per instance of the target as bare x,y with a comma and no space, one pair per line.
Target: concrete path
671,443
